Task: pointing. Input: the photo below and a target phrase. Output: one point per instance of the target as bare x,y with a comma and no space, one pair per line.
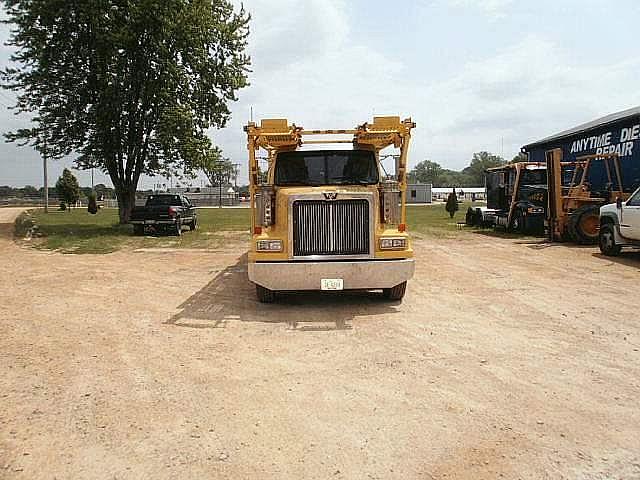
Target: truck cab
620,225
516,198
518,194
328,219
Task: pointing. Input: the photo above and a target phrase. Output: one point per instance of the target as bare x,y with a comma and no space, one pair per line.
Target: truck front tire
518,222
264,294
395,293
607,241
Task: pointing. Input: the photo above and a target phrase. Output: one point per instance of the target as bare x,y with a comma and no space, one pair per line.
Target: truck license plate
331,284
149,222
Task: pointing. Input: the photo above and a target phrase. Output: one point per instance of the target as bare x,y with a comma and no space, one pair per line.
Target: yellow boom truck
328,219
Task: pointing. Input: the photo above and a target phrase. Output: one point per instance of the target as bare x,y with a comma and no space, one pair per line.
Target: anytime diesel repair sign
620,141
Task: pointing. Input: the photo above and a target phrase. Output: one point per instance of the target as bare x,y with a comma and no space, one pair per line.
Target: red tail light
402,227
173,211
257,230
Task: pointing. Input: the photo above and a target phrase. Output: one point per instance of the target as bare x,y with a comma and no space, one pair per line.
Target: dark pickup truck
166,212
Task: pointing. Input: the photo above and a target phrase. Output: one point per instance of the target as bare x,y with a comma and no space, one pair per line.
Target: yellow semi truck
330,218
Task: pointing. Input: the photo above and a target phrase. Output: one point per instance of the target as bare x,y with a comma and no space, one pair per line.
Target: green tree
520,157
30,191
451,178
67,188
427,172
479,163
218,170
130,86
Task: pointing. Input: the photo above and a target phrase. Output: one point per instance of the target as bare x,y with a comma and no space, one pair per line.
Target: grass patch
434,220
80,232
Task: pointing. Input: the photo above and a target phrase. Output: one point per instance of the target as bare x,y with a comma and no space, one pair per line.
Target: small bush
92,207
452,203
24,225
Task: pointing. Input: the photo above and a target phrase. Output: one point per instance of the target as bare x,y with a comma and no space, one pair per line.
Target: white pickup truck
620,225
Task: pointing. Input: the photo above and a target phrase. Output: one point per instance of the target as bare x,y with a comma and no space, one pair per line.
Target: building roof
600,122
458,189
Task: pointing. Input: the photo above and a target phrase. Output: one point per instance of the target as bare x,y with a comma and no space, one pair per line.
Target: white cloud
308,69
494,9
521,94
312,68
509,97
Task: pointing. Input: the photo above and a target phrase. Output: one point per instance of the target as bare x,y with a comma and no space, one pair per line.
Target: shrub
92,207
452,203
68,188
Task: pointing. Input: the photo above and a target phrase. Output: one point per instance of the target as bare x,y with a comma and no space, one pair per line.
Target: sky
473,74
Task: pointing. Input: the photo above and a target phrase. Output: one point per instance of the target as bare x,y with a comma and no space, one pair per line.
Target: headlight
389,243
269,245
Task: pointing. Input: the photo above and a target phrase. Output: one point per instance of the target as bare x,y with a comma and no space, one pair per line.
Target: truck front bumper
356,275
153,222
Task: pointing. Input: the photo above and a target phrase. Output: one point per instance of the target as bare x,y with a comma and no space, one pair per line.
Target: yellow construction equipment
573,213
328,219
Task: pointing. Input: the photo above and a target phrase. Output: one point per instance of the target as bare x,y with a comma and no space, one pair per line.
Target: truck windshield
536,176
168,200
326,167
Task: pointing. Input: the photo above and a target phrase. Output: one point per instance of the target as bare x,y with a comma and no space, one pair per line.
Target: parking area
508,358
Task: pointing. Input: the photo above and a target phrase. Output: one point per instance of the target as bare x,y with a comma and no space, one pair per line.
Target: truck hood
608,208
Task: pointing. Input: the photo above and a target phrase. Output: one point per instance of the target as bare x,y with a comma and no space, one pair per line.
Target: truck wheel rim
607,240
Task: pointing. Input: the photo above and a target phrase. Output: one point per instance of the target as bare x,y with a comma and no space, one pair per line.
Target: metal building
616,133
419,193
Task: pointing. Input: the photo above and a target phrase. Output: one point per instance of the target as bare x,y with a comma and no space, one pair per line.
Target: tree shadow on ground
230,297
85,231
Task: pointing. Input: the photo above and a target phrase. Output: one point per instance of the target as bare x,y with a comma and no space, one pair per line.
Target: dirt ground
507,359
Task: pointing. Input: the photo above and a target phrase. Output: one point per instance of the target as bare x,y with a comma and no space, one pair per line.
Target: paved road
507,359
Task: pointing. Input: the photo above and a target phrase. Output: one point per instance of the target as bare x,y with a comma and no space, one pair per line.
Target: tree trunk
126,201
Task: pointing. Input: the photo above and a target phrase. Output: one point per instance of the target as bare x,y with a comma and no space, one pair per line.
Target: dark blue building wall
622,137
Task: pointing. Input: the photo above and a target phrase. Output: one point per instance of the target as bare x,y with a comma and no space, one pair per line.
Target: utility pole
46,179
236,169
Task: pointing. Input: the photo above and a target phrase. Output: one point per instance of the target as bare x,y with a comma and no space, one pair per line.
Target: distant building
618,133
209,196
471,194
418,193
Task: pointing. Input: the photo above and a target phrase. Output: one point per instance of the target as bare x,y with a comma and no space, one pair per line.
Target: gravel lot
507,359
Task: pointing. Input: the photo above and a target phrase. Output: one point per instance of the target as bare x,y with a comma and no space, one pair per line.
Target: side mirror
619,202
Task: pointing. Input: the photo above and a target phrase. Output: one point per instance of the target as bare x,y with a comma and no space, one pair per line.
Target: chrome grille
339,227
